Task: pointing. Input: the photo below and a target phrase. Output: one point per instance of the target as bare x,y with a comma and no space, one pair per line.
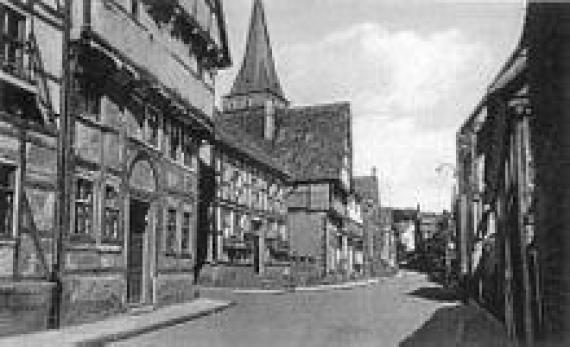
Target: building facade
248,244
141,101
512,192
367,188
313,142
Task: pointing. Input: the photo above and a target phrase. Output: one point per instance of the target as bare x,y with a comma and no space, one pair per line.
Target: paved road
405,311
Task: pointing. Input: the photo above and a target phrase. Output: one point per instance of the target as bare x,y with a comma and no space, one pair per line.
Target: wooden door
135,253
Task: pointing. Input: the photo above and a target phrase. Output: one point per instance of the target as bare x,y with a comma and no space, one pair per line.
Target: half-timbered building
313,142
141,104
248,243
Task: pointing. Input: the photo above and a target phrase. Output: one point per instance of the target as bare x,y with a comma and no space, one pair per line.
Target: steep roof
234,138
310,140
257,72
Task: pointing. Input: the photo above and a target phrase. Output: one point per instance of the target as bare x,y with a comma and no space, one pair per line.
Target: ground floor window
7,185
171,227
83,207
186,230
111,218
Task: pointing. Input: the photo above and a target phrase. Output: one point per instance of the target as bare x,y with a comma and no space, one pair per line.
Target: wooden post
523,209
20,195
64,153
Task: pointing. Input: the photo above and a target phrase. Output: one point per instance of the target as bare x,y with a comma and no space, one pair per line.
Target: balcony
110,24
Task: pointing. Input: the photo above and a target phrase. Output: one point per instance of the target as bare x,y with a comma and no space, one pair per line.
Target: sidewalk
457,324
118,327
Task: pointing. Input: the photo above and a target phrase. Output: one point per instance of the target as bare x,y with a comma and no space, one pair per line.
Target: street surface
402,311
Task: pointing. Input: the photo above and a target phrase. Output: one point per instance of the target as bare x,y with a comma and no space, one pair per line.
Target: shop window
7,186
83,207
171,227
186,230
12,42
111,218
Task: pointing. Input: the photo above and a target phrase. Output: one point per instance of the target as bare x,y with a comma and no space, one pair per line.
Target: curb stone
105,339
99,333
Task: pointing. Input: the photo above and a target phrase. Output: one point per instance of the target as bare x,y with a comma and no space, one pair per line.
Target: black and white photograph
285,173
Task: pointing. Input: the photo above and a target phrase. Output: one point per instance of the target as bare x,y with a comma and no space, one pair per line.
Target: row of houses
512,188
165,191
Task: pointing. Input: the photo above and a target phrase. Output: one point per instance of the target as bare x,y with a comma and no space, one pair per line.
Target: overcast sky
413,70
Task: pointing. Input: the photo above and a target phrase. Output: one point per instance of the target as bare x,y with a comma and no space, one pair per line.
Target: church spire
257,83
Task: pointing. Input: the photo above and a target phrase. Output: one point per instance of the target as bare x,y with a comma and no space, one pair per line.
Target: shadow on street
457,326
436,294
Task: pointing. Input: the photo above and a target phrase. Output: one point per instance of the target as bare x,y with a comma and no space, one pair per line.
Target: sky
413,71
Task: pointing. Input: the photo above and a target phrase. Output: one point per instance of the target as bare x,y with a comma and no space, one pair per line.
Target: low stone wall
304,274
244,276
175,288
24,306
88,298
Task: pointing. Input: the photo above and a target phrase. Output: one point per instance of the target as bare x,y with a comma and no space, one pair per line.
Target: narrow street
400,311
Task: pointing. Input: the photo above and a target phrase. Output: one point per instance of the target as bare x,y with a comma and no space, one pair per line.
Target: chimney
374,171
269,121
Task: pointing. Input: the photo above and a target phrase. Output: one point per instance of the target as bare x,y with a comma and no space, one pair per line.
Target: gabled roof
246,145
257,72
310,141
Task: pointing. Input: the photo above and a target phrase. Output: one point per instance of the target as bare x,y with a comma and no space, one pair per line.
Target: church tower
256,84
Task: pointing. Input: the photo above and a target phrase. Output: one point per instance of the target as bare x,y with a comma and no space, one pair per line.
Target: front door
137,229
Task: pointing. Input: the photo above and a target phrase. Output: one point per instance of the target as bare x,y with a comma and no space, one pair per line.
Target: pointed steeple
257,82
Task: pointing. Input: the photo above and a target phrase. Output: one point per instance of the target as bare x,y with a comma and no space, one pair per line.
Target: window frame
113,211
171,231
85,203
9,189
186,232
9,40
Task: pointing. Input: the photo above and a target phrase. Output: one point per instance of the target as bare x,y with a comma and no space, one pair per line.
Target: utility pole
64,164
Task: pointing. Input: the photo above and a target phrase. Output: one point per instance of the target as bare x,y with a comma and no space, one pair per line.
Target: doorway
256,228
138,222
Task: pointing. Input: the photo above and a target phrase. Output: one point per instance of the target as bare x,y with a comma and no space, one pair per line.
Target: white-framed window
111,228
171,229
83,207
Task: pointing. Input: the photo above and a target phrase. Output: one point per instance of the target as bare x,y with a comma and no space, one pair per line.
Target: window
186,229
91,101
188,149
83,207
175,137
111,218
171,231
152,127
12,41
7,184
